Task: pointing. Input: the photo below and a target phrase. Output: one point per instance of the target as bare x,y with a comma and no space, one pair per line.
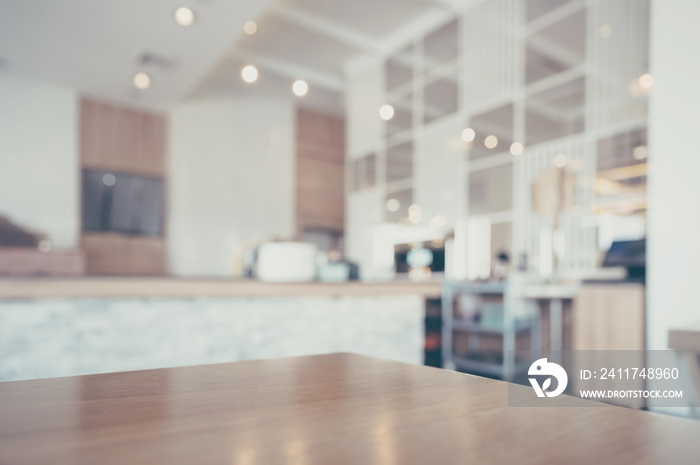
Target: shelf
477,328
490,288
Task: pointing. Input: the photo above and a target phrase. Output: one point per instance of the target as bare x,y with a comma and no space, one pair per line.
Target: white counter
191,288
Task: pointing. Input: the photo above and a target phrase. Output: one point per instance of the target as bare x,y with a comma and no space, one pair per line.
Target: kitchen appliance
430,252
630,255
286,262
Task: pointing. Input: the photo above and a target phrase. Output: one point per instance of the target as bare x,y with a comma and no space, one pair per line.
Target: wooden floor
326,409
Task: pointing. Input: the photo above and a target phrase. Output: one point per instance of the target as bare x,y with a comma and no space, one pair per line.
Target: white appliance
286,262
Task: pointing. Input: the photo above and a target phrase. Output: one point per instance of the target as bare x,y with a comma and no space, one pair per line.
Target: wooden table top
687,338
325,409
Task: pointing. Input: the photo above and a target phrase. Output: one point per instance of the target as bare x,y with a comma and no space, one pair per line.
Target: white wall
363,135
39,159
363,97
673,246
231,178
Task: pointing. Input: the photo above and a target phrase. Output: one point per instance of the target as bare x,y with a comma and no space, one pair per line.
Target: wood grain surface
123,140
325,409
610,317
320,195
685,338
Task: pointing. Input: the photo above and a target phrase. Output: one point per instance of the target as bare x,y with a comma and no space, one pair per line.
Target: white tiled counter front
65,337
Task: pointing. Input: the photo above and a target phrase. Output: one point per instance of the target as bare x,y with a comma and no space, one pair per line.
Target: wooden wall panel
122,139
127,141
320,167
119,254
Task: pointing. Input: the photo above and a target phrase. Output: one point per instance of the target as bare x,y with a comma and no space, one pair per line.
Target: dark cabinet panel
122,203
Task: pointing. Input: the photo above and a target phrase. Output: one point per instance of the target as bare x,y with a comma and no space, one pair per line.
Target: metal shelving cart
504,366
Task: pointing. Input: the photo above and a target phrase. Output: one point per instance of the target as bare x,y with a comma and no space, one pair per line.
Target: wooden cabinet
609,317
612,318
320,171
120,254
123,140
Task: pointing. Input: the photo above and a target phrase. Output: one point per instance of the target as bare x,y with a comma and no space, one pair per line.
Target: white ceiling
93,45
377,19
314,40
286,41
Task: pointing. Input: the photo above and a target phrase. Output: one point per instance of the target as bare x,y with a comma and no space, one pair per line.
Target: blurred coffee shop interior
431,181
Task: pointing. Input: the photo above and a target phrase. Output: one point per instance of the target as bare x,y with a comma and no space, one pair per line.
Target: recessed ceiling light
516,148
468,135
386,112
491,142
560,160
437,222
646,81
142,81
393,205
414,214
184,16
249,74
640,152
250,27
300,88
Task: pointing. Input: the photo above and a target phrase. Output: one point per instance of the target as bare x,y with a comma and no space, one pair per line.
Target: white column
673,247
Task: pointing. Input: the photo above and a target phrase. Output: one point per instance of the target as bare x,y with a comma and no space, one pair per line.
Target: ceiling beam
555,15
363,42
425,23
328,28
293,70
555,51
556,114
342,33
449,4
